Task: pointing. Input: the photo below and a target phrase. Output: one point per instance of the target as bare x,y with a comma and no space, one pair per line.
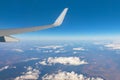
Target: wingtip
65,9
60,19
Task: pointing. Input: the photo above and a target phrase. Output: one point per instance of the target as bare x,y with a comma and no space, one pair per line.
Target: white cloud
79,49
64,60
51,47
7,67
31,74
54,51
75,52
14,67
68,76
4,68
31,59
114,46
58,51
17,50
43,63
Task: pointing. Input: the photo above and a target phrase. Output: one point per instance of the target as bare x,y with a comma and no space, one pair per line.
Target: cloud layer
63,60
67,76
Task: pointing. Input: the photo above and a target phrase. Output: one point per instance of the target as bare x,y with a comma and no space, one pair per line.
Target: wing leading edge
4,34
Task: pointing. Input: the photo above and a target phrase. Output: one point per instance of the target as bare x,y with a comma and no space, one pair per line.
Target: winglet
60,19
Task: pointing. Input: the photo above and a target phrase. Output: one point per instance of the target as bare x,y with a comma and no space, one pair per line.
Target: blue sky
86,18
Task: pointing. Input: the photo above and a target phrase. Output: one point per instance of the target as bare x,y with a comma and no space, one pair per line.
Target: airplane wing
5,33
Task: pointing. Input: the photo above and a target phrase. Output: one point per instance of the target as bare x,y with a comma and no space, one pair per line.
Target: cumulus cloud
4,68
79,49
114,46
31,74
63,60
68,76
17,50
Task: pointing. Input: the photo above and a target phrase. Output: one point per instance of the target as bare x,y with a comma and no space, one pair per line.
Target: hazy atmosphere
85,18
